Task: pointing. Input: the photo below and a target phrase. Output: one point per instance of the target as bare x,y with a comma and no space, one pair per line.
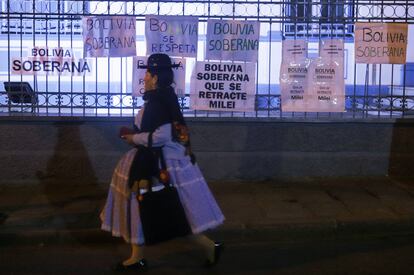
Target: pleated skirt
120,215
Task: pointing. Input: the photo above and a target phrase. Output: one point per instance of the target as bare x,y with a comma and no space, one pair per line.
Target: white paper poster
326,79
294,75
232,40
139,74
226,86
313,85
410,44
51,61
105,36
172,35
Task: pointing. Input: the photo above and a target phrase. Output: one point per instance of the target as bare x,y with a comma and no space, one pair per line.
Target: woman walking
159,124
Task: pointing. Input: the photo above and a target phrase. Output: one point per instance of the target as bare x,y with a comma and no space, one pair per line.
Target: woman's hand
129,139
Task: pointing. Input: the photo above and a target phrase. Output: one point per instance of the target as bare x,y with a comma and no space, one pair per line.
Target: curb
48,237
330,230
287,232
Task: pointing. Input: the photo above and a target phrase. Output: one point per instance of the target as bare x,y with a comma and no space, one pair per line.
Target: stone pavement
57,211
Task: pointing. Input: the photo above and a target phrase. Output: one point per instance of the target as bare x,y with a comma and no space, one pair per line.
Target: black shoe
218,248
140,265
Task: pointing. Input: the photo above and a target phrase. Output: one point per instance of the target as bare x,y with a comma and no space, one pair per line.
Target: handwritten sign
381,43
294,75
172,35
232,40
139,74
223,86
109,36
51,61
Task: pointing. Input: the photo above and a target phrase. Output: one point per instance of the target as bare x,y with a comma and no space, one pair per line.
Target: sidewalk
255,211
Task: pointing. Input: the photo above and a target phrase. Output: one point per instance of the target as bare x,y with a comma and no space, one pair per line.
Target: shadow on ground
67,174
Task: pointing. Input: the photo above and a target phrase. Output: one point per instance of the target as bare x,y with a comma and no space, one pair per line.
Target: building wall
34,150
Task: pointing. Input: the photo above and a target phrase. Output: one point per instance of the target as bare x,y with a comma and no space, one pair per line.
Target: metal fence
382,90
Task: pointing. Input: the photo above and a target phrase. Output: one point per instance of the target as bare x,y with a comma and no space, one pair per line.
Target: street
385,255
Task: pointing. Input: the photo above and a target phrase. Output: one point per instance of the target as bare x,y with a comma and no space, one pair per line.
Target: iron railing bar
273,17
109,72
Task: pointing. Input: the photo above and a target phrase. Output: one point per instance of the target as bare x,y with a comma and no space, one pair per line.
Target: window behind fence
371,90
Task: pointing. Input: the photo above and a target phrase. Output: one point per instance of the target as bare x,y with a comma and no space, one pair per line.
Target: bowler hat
158,61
